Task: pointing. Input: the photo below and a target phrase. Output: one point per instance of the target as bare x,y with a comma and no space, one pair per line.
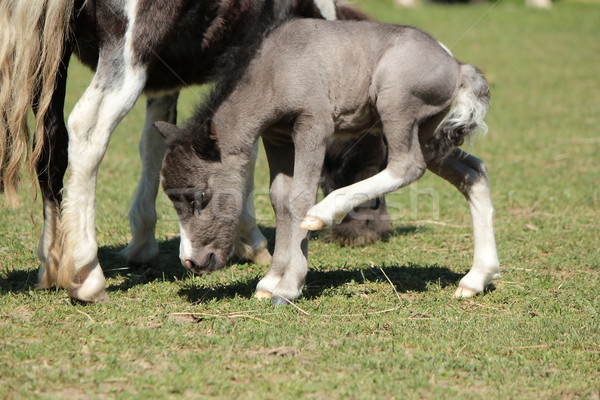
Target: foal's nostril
192,266
212,261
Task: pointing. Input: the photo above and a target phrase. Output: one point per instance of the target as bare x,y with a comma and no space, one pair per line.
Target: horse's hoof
263,257
280,301
262,294
312,223
101,297
462,292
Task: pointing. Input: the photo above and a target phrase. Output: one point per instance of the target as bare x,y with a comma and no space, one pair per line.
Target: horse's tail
471,104
31,47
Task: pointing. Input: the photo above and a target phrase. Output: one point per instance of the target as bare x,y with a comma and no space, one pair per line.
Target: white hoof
92,289
263,257
262,294
136,254
463,292
312,223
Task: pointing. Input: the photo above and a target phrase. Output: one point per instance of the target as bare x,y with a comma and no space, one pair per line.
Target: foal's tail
471,104
31,47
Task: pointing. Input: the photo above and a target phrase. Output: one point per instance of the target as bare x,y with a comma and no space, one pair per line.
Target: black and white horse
135,46
322,80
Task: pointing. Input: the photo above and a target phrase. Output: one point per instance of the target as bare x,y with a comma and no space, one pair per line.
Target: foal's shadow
405,278
411,278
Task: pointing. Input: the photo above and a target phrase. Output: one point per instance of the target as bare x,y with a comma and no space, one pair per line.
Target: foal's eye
198,200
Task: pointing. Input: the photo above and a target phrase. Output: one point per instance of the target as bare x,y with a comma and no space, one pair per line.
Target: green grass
534,336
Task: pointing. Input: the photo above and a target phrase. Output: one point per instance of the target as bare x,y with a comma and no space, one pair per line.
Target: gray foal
310,83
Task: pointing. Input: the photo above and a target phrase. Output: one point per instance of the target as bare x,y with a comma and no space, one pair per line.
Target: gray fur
315,80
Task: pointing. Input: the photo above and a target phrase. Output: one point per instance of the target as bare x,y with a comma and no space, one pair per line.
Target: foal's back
344,67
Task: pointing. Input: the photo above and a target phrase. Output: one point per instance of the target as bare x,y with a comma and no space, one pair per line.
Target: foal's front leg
142,216
291,198
469,175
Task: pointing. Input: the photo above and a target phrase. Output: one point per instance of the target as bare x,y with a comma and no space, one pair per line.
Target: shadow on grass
165,268
411,278
168,268
18,281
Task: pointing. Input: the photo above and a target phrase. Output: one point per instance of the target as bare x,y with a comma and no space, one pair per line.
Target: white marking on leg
267,285
250,243
327,8
486,266
142,215
91,124
340,202
92,288
468,174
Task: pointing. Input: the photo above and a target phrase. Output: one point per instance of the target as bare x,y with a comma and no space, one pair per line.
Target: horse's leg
117,84
143,248
469,175
250,244
51,169
347,162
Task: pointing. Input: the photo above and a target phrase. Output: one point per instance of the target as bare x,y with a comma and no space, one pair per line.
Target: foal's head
207,196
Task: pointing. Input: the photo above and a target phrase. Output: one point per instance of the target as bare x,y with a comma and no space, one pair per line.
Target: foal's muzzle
208,266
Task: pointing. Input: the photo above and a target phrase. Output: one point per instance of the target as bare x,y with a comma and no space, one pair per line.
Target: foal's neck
239,122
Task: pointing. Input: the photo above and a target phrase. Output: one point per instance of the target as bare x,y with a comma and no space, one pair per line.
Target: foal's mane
232,66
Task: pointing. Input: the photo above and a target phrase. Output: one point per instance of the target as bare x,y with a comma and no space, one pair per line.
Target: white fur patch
327,8
339,202
445,48
185,245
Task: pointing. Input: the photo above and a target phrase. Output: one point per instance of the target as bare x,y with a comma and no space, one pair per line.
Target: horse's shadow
165,268
405,278
18,281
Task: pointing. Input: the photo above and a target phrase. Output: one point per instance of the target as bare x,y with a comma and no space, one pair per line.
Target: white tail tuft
466,116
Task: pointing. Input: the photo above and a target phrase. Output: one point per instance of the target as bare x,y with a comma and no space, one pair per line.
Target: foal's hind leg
469,175
143,248
347,162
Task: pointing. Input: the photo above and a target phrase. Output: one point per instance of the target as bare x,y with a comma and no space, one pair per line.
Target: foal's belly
356,120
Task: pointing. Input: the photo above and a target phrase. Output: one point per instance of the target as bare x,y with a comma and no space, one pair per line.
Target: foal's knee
279,194
408,170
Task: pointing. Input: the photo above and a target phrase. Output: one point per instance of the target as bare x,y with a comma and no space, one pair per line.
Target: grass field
355,334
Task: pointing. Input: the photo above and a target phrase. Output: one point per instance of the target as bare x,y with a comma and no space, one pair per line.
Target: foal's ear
206,143
167,130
